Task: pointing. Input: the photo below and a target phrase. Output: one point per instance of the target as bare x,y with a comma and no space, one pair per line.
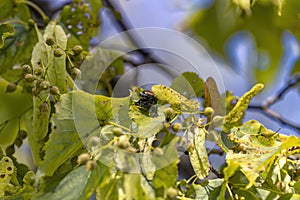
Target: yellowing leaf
241,106
7,168
197,152
175,99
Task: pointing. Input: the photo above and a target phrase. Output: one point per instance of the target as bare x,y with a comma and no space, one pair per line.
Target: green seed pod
54,90
11,87
50,41
31,22
10,150
171,193
38,71
75,73
169,113
209,111
123,142
58,52
18,142
44,85
83,158
117,132
34,91
77,49
281,185
29,78
131,149
26,69
176,127
22,134
90,165
78,59
158,151
94,141
218,120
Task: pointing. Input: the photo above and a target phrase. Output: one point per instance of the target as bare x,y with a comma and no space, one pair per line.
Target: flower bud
90,165
123,142
54,90
29,78
171,193
176,127
50,41
117,132
38,71
169,113
209,111
58,52
83,158
77,49
11,87
44,85
94,141
26,69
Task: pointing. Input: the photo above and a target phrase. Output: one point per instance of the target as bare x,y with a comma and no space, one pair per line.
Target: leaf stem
120,126
34,6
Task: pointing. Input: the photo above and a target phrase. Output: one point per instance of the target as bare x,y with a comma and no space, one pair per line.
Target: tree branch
148,58
267,111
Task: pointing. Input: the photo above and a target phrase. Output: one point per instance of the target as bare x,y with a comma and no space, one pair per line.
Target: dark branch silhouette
267,111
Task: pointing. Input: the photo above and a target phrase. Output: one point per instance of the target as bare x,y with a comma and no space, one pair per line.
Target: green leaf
110,188
209,189
259,161
145,126
142,189
105,63
175,99
41,109
165,177
78,184
17,49
56,66
241,106
251,164
63,137
197,152
10,112
6,30
189,85
6,7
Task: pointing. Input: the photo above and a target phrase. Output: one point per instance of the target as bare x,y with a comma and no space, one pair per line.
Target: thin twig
124,27
267,111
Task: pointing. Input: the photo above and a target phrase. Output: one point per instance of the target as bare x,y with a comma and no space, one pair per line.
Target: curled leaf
241,106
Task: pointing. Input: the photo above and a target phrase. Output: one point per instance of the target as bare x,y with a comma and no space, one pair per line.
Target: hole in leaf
2,176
